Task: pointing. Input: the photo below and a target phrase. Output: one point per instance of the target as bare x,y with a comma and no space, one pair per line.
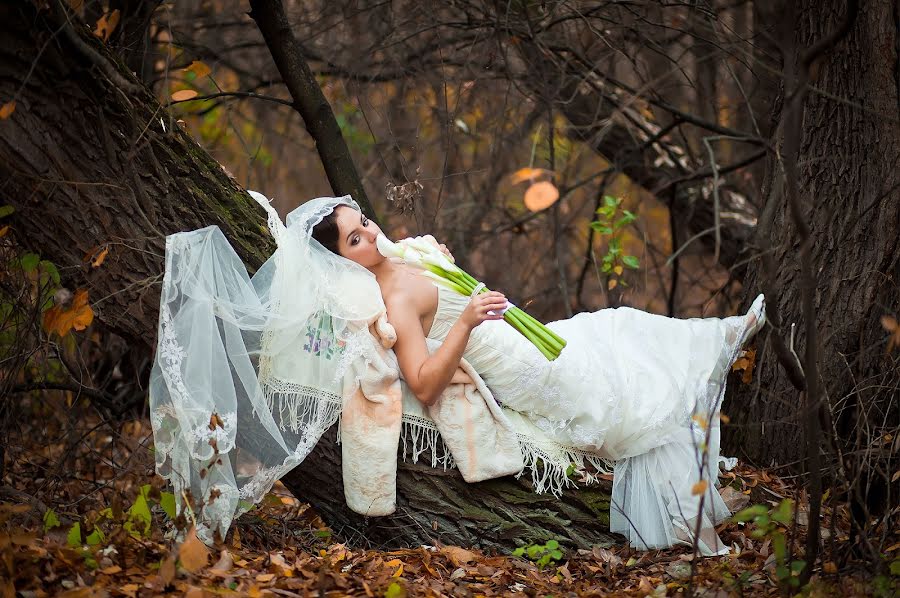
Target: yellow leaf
724,418
618,270
98,261
399,571
184,94
888,322
265,577
192,553
107,24
527,174
699,488
540,196
4,230
200,69
79,316
701,421
829,567
612,283
7,109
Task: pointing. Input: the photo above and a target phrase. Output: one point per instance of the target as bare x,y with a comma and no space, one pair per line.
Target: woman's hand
477,310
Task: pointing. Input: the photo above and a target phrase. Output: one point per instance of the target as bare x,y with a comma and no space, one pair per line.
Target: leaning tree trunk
849,185
90,160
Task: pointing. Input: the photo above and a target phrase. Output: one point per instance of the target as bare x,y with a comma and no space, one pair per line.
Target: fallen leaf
225,562
192,553
699,487
458,556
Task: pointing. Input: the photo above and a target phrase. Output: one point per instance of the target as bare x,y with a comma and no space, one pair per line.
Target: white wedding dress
641,389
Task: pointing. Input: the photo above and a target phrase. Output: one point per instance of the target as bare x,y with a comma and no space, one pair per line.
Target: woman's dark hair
327,233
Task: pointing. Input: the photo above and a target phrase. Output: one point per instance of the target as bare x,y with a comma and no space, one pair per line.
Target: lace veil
249,372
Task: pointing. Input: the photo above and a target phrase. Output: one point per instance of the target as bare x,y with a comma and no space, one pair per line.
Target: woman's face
356,237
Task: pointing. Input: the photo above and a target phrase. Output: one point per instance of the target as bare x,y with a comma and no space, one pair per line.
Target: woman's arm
429,374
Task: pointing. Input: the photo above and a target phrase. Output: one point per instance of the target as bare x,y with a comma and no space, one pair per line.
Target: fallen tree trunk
90,160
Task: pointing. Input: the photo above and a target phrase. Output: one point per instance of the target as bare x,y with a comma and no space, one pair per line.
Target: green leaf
74,537
6,211
50,268
606,267
139,514
601,228
96,537
895,567
615,247
797,567
519,551
624,220
29,261
50,520
782,572
749,513
631,261
395,590
552,544
167,502
784,512
556,554
779,547
610,202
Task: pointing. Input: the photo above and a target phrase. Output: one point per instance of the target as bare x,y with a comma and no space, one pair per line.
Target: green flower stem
547,342
540,330
561,341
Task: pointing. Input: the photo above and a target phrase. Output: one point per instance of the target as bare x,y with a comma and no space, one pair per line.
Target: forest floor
87,517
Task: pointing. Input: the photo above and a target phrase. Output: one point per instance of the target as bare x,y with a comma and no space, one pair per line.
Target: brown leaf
541,196
458,556
192,553
215,421
184,94
745,364
107,24
613,283
167,569
7,109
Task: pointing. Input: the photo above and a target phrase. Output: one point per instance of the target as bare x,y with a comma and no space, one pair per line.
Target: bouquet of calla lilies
425,253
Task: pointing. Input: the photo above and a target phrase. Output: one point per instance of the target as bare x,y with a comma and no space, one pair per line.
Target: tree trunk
850,191
433,504
87,165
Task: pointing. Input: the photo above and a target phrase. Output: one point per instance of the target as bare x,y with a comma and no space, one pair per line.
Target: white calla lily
388,248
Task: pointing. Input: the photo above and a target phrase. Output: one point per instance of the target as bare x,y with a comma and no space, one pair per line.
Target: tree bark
87,165
849,184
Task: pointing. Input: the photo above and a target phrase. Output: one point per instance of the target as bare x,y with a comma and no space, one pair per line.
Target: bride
639,389
629,385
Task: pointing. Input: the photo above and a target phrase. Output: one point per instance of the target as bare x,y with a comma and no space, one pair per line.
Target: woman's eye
365,222
355,241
